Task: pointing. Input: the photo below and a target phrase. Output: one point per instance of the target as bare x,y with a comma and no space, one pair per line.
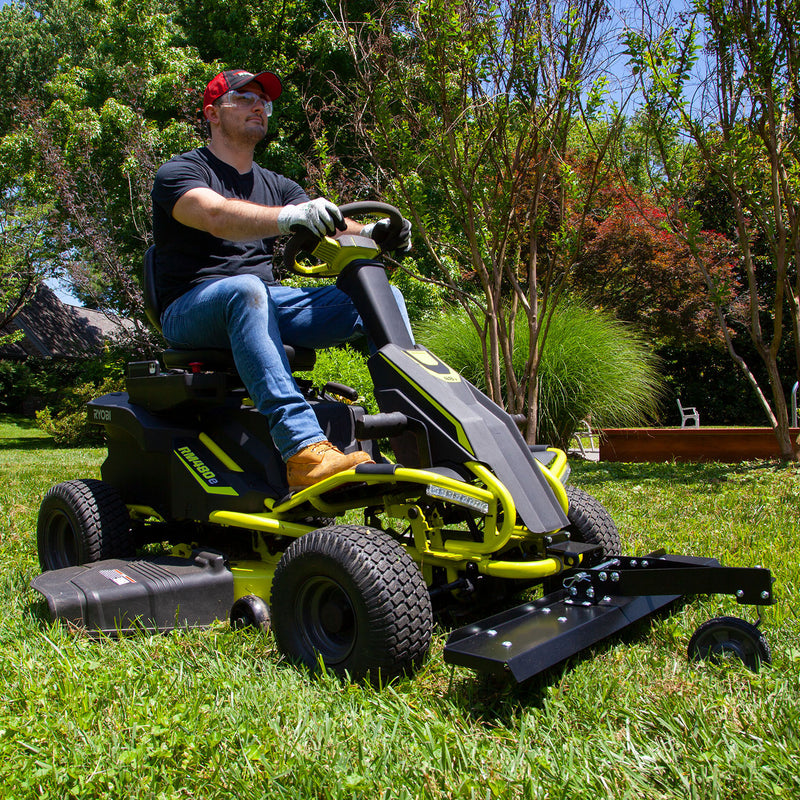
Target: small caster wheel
730,637
250,611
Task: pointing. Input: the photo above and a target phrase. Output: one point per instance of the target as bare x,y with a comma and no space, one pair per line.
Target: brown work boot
319,461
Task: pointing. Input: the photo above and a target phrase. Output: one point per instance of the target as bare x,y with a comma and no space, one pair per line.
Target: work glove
379,233
320,216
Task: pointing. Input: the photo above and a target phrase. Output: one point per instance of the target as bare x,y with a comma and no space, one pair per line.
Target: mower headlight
472,503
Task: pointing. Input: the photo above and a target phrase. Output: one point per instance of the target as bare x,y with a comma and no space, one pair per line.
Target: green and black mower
461,515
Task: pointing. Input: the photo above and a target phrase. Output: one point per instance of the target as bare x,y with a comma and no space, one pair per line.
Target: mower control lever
379,426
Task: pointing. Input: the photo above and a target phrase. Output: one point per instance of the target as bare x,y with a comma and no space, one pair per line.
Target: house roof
54,329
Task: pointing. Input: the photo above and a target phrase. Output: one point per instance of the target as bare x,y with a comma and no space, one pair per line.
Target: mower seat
212,359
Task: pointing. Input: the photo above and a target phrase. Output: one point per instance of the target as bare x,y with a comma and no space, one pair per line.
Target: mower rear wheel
351,597
81,521
724,638
590,523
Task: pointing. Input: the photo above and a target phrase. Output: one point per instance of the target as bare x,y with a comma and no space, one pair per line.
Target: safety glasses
235,99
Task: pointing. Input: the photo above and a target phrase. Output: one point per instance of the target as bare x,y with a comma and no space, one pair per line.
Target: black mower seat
216,360
207,359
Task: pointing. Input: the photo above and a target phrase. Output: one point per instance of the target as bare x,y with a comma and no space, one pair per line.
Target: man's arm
226,218
243,221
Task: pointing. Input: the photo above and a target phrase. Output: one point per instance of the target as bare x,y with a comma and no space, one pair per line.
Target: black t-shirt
186,256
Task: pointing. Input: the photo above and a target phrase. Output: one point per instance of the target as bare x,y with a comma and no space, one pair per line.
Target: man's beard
249,136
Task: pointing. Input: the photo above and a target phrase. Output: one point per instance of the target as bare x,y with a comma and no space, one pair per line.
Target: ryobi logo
432,364
198,465
101,414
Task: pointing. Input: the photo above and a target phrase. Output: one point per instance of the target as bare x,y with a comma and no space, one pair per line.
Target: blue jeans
255,320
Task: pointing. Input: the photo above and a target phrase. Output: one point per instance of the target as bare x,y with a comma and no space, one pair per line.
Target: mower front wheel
590,523
250,611
351,597
725,638
81,521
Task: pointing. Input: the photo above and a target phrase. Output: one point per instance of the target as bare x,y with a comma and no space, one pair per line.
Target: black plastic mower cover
122,595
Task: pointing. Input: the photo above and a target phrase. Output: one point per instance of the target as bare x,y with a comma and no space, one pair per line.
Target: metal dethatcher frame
594,604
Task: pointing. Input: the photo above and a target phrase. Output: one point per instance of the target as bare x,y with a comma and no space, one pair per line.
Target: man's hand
379,233
320,216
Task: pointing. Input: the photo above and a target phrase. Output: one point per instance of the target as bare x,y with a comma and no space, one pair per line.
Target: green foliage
592,367
67,420
742,123
105,92
486,121
43,381
348,366
422,299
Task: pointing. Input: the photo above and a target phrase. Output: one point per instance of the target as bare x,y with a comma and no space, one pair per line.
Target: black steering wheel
304,241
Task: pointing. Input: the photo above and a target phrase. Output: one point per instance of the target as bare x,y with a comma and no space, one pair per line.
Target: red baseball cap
236,78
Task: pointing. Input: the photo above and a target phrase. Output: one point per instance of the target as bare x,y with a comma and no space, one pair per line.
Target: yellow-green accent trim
494,539
258,522
223,490
521,569
254,577
559,463
401,474
143,512
335,255
461,434
224,458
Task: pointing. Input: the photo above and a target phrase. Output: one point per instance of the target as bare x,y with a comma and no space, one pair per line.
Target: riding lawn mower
463,515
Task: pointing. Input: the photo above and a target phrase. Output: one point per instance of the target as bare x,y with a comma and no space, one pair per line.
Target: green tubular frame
428,549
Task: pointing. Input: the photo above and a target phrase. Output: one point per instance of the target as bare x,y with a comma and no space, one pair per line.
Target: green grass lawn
217,714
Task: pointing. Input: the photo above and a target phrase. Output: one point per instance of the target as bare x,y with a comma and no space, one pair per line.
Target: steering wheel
304,241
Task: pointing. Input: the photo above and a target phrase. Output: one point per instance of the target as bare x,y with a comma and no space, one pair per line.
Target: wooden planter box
689,444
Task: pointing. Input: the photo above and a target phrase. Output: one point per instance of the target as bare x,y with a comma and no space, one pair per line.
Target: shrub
348,366
592,366
67,421
40,381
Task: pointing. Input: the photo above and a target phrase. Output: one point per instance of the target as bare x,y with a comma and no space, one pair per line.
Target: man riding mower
455,509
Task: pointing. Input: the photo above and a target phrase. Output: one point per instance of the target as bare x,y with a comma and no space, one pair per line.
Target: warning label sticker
118,577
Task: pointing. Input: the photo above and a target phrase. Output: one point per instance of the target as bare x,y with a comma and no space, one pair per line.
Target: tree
633,264
478,116
106,91
22,265
742,114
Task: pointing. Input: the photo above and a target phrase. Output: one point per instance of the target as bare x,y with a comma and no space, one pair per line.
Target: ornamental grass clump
592,367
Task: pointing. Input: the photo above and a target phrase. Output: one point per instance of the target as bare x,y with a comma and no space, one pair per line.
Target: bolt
645,563
634,563
573,591
590,592
491,633
764,595
607,599
614,577
603,576
546,610
506,644
740,593
562,619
